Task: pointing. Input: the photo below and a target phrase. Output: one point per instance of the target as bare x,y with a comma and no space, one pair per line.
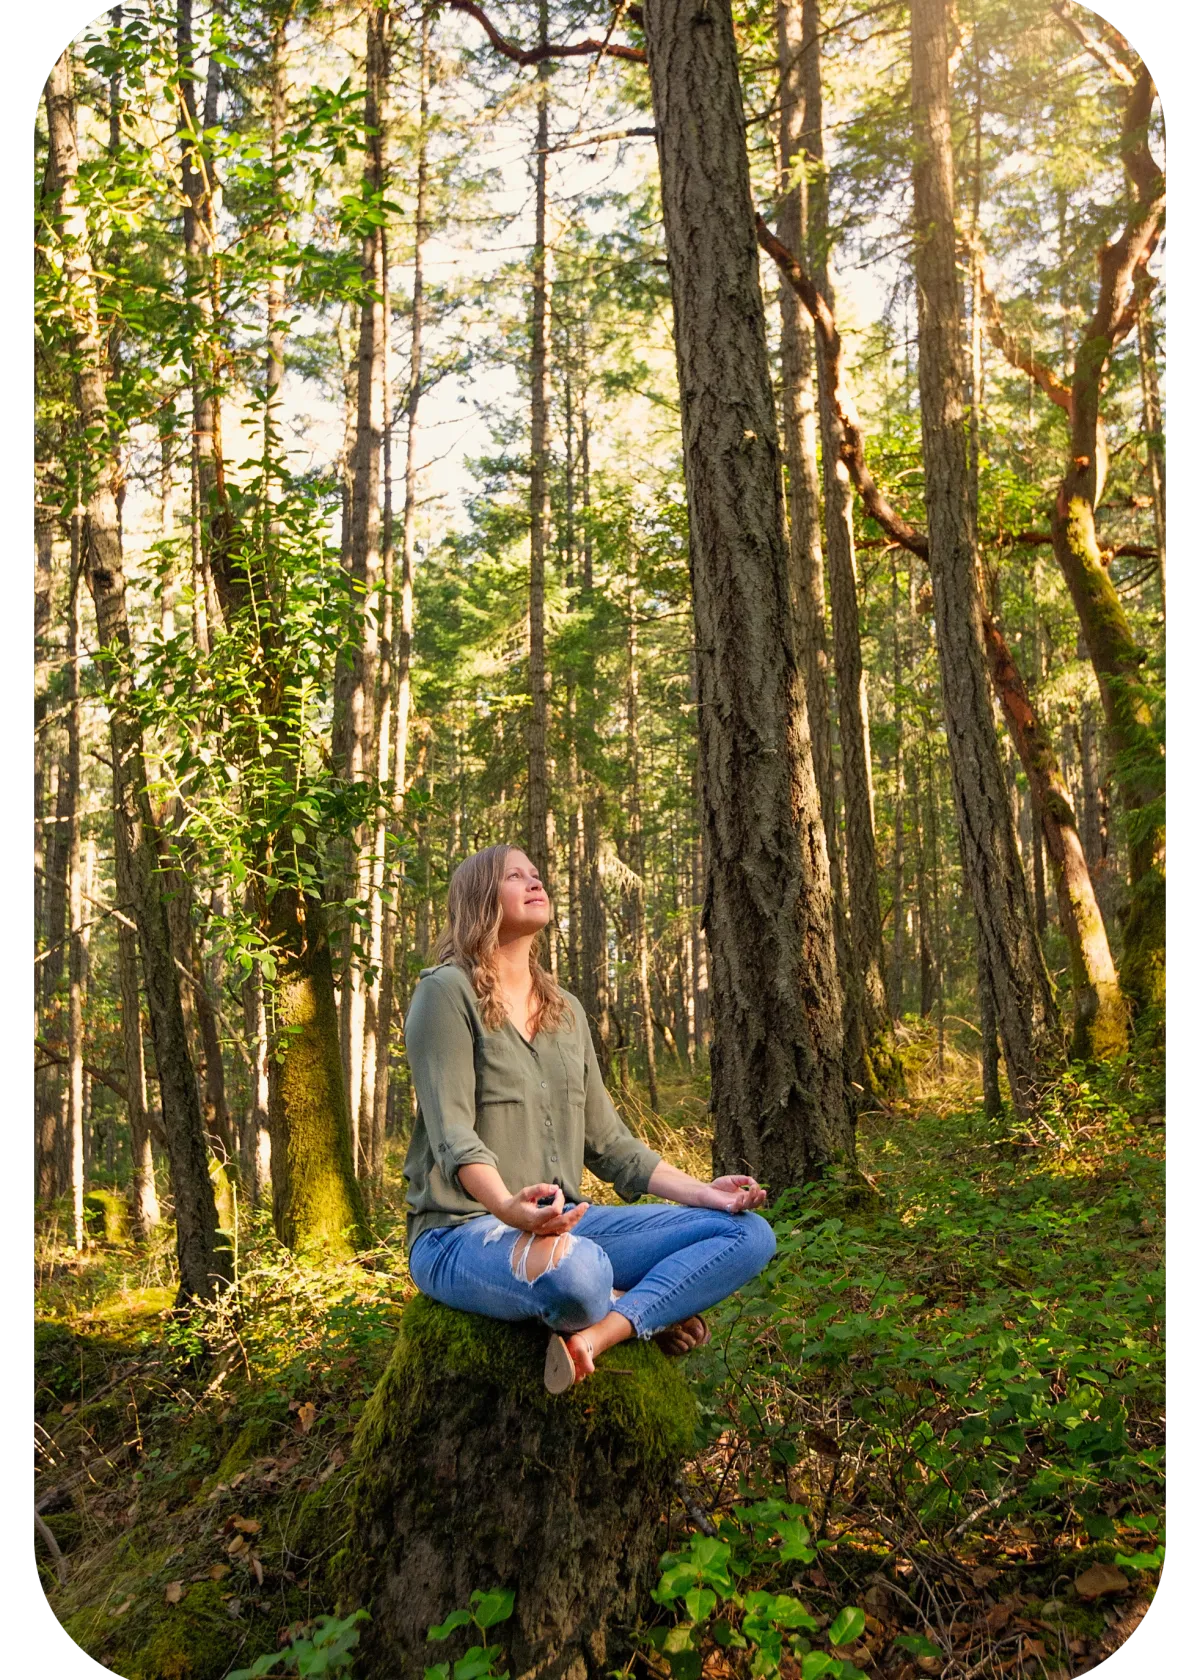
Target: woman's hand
738,1194
523,1212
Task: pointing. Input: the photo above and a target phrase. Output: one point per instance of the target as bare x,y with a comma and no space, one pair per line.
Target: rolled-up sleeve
610,1149
441,1054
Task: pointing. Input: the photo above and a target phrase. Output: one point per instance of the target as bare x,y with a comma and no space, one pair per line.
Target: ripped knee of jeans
560,1247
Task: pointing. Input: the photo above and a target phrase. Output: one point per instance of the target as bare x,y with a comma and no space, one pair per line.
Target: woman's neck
512,965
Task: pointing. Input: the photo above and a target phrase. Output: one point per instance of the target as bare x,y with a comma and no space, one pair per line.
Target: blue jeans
670,1261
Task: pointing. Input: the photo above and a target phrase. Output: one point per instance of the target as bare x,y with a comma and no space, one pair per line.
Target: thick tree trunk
1152,426
575,1536
201,1263
317,1202
778,1088
1025,1013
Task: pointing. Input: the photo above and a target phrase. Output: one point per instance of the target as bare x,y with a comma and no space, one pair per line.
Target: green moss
252,1441
106,1215
195,1639
653,1406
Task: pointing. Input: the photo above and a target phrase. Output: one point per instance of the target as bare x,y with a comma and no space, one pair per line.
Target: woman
509,1093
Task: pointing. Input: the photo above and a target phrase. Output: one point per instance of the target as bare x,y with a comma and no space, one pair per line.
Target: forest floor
936,1422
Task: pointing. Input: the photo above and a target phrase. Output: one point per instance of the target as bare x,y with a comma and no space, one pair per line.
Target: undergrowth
932,1436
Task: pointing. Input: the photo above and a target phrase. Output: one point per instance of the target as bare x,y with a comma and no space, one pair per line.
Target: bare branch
535,55
1105,54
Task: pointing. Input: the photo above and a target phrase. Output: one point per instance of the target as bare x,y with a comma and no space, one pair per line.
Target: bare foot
677,1339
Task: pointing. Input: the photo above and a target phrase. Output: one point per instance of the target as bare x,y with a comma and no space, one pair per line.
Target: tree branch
1106,55
98,1074
847,424
1009,347
536,55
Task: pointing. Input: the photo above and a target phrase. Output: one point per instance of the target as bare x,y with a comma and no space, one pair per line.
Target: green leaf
443,1630
492,1607
917,1645
847,1626
815,1663
1141,1560
700,1603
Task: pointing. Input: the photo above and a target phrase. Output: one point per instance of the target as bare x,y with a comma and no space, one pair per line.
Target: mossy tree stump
468,1474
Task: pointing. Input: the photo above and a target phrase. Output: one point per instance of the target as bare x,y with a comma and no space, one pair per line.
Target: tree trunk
256,1145
637,855
201,1264
75,896
318,1205
576,1536
800,420
1152,425
778,1090
146,1213
1100,1011
355,720
1025,1013
541,844
864,968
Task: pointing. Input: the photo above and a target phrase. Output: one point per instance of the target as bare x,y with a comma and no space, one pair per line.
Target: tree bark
318,1205
541,844
1100,1024
778,1089
75,895
146,1212
201,1263
1025,1012
637,854
800,420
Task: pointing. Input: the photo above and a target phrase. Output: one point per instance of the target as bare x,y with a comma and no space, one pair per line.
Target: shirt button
543,1084
554,1157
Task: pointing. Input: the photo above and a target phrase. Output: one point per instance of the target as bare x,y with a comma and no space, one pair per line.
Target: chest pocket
499,1079
571,1053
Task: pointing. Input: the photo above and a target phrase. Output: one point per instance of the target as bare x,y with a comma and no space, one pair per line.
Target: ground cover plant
932,1433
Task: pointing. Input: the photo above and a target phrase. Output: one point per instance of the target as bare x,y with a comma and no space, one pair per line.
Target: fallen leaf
233,1609
248,1525
237,1545
929,1665
981,1576
174,1592
1100,1579
256,1565
306,1416
68,1406
121,1608
239,1478
997,1619
218,1572
1033,1647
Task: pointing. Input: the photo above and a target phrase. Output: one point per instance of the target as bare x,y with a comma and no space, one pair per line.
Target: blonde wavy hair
469,939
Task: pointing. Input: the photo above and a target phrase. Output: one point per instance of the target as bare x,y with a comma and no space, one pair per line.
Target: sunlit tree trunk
1025,1012
778,1091
256,1145
201,1264
75,896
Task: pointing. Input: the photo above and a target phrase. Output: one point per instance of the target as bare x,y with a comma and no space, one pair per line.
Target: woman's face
524,906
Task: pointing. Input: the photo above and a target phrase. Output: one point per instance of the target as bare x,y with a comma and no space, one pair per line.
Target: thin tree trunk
256,1149
1025,1013
637,852
1152,425
541,842
146,1212
778,1090
800,420
355,679
864,968
75,897
1100,1027
896,977
201,1265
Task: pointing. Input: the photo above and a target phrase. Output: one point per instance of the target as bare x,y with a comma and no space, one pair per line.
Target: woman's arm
521,1211
732,1194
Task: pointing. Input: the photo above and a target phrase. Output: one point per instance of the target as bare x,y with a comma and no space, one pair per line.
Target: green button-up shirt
536,1112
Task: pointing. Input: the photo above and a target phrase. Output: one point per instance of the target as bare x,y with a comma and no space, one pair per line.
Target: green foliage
327,1650
712,1573
487,1610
